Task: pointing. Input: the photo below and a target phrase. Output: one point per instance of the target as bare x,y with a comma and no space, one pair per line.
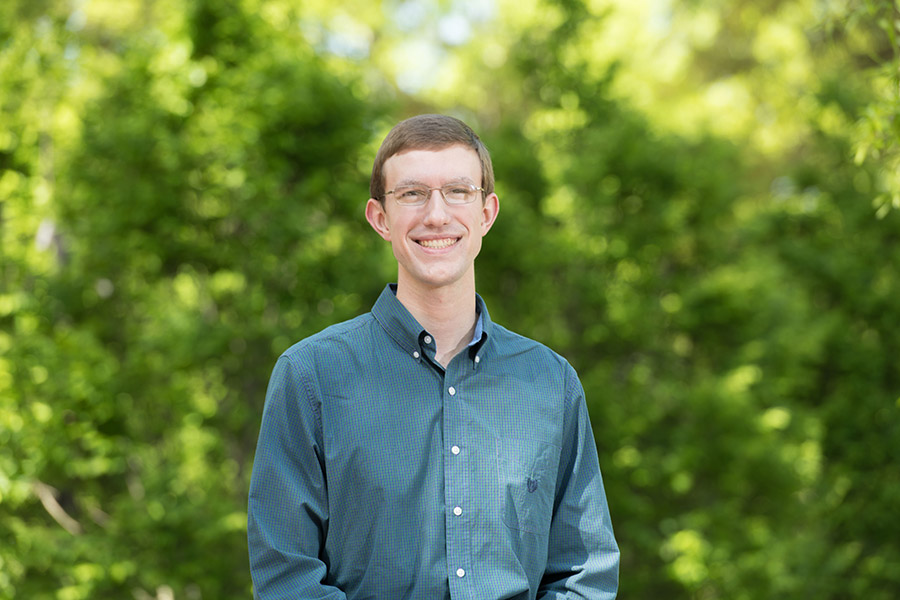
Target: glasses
417,195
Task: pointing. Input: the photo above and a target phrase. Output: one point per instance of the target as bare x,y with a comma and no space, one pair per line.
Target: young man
421,450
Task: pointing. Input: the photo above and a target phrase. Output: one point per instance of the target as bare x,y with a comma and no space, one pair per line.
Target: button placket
458,526
457,510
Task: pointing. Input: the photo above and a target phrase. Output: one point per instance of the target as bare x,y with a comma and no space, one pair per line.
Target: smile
441,243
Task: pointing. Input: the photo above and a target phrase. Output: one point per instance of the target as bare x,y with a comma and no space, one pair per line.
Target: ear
489,212
377,218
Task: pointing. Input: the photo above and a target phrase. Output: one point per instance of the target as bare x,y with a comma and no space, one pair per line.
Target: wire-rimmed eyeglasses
417,195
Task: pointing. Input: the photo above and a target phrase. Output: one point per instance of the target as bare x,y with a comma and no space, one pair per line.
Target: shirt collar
479,323
406,331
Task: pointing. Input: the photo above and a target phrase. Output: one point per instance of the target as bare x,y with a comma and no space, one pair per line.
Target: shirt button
457,511
477,359
452,391
415,355
460,573
427,339
455,449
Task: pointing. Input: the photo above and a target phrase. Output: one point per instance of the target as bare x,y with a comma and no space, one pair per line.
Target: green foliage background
711,240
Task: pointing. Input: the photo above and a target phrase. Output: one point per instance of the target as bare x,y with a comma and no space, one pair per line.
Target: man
421,450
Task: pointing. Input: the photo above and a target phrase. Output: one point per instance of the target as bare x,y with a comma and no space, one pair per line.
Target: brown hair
429,132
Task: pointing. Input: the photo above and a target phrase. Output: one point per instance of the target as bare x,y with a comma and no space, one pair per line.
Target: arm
288,512
583,558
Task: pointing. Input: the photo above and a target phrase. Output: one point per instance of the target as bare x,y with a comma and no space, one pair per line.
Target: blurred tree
687,278
198,201
181,192
872,32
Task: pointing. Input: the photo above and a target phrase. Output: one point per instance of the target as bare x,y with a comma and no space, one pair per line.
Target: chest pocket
527,477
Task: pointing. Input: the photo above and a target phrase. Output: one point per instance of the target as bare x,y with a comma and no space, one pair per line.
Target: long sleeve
583,557
288,507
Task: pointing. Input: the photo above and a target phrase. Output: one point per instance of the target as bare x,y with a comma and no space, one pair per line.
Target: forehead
429,166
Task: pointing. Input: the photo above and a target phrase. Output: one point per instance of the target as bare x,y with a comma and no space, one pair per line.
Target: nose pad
436,209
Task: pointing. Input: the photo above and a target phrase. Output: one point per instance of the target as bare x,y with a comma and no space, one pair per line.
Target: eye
411,193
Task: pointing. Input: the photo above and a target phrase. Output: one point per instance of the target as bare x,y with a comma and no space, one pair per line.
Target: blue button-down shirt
379,474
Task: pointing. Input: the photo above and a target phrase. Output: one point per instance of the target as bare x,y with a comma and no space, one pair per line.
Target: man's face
435,244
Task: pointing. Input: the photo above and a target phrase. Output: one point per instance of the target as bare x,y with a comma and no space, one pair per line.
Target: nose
436,209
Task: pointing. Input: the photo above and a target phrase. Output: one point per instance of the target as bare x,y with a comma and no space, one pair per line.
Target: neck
447,313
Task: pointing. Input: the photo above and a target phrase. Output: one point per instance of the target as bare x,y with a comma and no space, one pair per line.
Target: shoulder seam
337,330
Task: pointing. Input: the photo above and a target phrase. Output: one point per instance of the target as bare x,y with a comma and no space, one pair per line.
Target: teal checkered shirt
379,474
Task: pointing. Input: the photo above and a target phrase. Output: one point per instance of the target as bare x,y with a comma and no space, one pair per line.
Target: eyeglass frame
429,191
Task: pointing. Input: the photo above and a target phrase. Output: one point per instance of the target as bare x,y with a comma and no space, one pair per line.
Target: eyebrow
461,179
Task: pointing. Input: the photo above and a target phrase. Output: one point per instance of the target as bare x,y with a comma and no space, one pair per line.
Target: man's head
429,132
434,237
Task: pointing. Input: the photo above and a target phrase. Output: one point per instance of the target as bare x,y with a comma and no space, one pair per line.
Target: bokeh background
700,210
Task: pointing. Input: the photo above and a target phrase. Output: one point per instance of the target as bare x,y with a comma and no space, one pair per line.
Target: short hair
429,132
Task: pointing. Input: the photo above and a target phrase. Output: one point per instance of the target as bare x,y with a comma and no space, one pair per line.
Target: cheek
395,226
476,245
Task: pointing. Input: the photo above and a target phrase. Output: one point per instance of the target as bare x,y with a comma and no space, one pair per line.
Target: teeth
443,243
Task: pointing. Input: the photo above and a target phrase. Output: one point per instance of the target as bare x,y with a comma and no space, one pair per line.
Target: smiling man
421,450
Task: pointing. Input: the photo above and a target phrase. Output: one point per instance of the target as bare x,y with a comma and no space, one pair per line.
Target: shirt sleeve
288,508
583,557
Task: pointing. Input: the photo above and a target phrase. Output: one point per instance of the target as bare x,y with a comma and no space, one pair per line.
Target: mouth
438,243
